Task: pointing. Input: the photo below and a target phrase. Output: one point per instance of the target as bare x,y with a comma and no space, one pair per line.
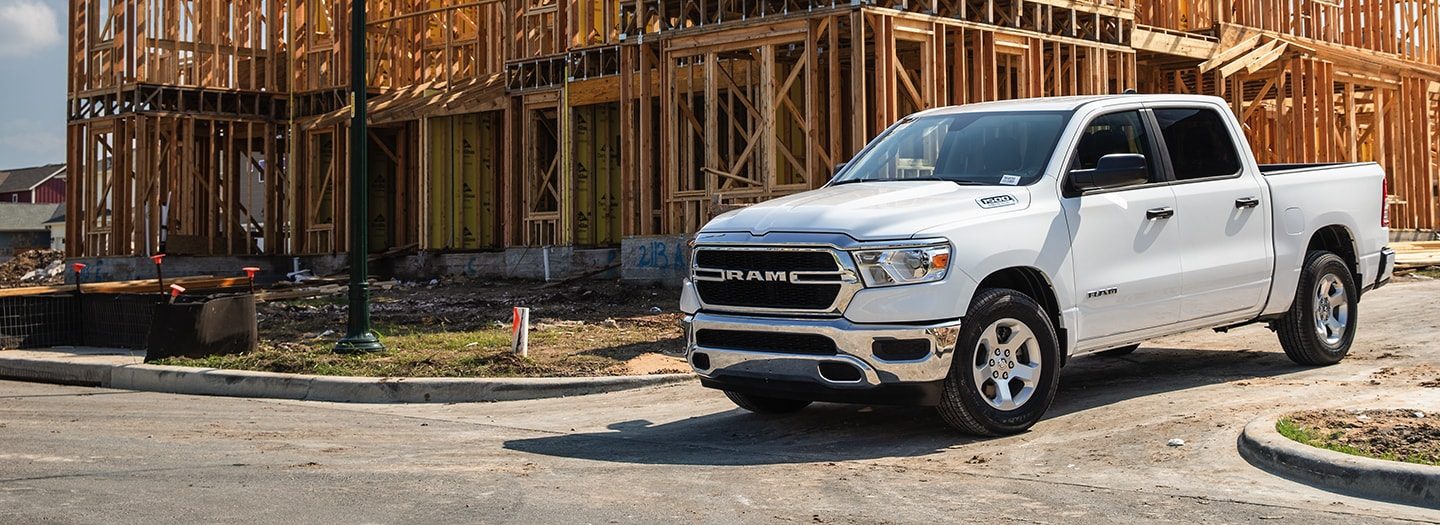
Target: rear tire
1117,352
766,405
1321,323
1006,366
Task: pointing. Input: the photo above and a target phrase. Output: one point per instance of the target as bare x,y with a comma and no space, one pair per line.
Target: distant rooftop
22,217
24,179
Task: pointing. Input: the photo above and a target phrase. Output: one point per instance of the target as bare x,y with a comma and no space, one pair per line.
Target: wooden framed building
220,127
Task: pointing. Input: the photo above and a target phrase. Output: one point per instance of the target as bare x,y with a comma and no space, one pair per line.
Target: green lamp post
358,337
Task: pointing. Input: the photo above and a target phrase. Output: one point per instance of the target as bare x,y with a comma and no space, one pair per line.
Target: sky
32,82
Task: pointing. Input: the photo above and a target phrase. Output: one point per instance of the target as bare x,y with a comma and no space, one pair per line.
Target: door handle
1159,213
1247,202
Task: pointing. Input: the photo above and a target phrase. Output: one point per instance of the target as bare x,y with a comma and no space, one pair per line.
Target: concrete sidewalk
125,369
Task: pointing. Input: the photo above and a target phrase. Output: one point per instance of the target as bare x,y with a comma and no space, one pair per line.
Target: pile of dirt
1398,435
33,268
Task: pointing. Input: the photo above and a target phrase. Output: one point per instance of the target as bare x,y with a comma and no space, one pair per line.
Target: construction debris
33,267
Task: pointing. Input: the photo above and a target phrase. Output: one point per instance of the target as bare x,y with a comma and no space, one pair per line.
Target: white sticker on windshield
1009,180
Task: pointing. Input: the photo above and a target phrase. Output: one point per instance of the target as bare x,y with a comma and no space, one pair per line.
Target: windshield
998,148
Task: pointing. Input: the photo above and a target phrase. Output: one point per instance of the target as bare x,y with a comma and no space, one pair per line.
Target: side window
1198,143
1114,133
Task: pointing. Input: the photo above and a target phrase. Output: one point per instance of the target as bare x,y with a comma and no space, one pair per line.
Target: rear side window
1198,143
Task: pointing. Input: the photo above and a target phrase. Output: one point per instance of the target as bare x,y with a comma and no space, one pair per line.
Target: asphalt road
683,454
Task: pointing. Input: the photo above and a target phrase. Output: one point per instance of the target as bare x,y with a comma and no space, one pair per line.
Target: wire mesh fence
38,321
118,320
109,320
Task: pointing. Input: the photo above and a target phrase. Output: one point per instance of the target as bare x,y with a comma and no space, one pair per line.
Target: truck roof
1064,103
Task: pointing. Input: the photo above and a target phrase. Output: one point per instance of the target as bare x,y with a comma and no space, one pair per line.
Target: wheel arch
1337,239
1037,285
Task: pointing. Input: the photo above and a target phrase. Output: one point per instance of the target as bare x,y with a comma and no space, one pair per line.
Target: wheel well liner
1338,240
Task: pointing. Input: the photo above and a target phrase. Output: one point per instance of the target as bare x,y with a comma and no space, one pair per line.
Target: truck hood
874,210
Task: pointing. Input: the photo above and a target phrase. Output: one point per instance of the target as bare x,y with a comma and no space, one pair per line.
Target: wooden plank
1185,45
1258,54
1265,60
200,282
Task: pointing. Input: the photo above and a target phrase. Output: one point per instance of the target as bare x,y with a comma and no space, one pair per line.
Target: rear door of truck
1221,210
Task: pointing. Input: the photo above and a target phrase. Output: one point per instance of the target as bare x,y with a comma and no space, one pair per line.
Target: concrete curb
242,383
1394,481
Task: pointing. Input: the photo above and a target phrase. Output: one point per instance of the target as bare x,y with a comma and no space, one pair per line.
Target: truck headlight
903,265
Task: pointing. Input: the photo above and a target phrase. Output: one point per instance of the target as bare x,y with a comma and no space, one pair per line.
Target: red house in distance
37,185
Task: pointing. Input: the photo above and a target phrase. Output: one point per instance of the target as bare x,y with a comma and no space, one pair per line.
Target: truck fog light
901,349
840,372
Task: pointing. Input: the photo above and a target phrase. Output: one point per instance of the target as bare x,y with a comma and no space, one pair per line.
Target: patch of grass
1332,441
569,350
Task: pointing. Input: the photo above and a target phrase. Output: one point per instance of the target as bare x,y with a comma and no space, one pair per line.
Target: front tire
1321,323
1006,366
766,405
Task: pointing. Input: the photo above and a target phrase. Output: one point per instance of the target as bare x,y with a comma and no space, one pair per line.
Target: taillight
1384,202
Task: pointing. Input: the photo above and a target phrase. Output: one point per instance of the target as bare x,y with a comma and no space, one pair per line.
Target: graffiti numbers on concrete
661,255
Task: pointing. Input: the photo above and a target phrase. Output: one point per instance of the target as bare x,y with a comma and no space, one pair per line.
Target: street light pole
358,337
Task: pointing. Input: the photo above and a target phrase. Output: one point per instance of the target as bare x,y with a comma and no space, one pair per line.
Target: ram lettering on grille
752,275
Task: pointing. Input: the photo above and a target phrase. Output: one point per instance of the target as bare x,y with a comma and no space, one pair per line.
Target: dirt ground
1399,435
462,329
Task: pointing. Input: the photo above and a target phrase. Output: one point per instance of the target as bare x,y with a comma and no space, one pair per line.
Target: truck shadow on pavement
837,432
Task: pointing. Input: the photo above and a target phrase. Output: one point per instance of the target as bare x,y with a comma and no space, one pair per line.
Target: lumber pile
200,282
1416,254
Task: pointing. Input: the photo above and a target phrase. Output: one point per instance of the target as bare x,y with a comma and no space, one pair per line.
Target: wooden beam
1217,59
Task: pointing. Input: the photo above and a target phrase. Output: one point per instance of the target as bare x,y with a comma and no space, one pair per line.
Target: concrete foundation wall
663,259
1414,235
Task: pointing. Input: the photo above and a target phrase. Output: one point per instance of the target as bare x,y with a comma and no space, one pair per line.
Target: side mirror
1115,170
839,167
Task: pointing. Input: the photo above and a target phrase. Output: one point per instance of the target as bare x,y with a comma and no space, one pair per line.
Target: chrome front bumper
854,345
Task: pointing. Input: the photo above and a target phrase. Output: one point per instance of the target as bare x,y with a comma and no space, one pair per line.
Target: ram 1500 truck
967,252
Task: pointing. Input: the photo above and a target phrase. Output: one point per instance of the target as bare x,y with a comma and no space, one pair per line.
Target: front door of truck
1125,241
1226,262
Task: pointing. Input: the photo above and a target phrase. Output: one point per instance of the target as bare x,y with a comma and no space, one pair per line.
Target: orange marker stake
159,275
250,272
79,305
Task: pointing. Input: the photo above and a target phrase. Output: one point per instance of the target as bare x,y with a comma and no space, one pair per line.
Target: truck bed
1343,194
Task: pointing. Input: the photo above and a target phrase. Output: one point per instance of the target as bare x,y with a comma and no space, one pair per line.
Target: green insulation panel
464,175
597,174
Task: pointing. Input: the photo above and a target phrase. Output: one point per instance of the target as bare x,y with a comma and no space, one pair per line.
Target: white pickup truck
967,252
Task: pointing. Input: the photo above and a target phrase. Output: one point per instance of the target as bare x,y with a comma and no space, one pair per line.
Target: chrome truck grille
772,280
